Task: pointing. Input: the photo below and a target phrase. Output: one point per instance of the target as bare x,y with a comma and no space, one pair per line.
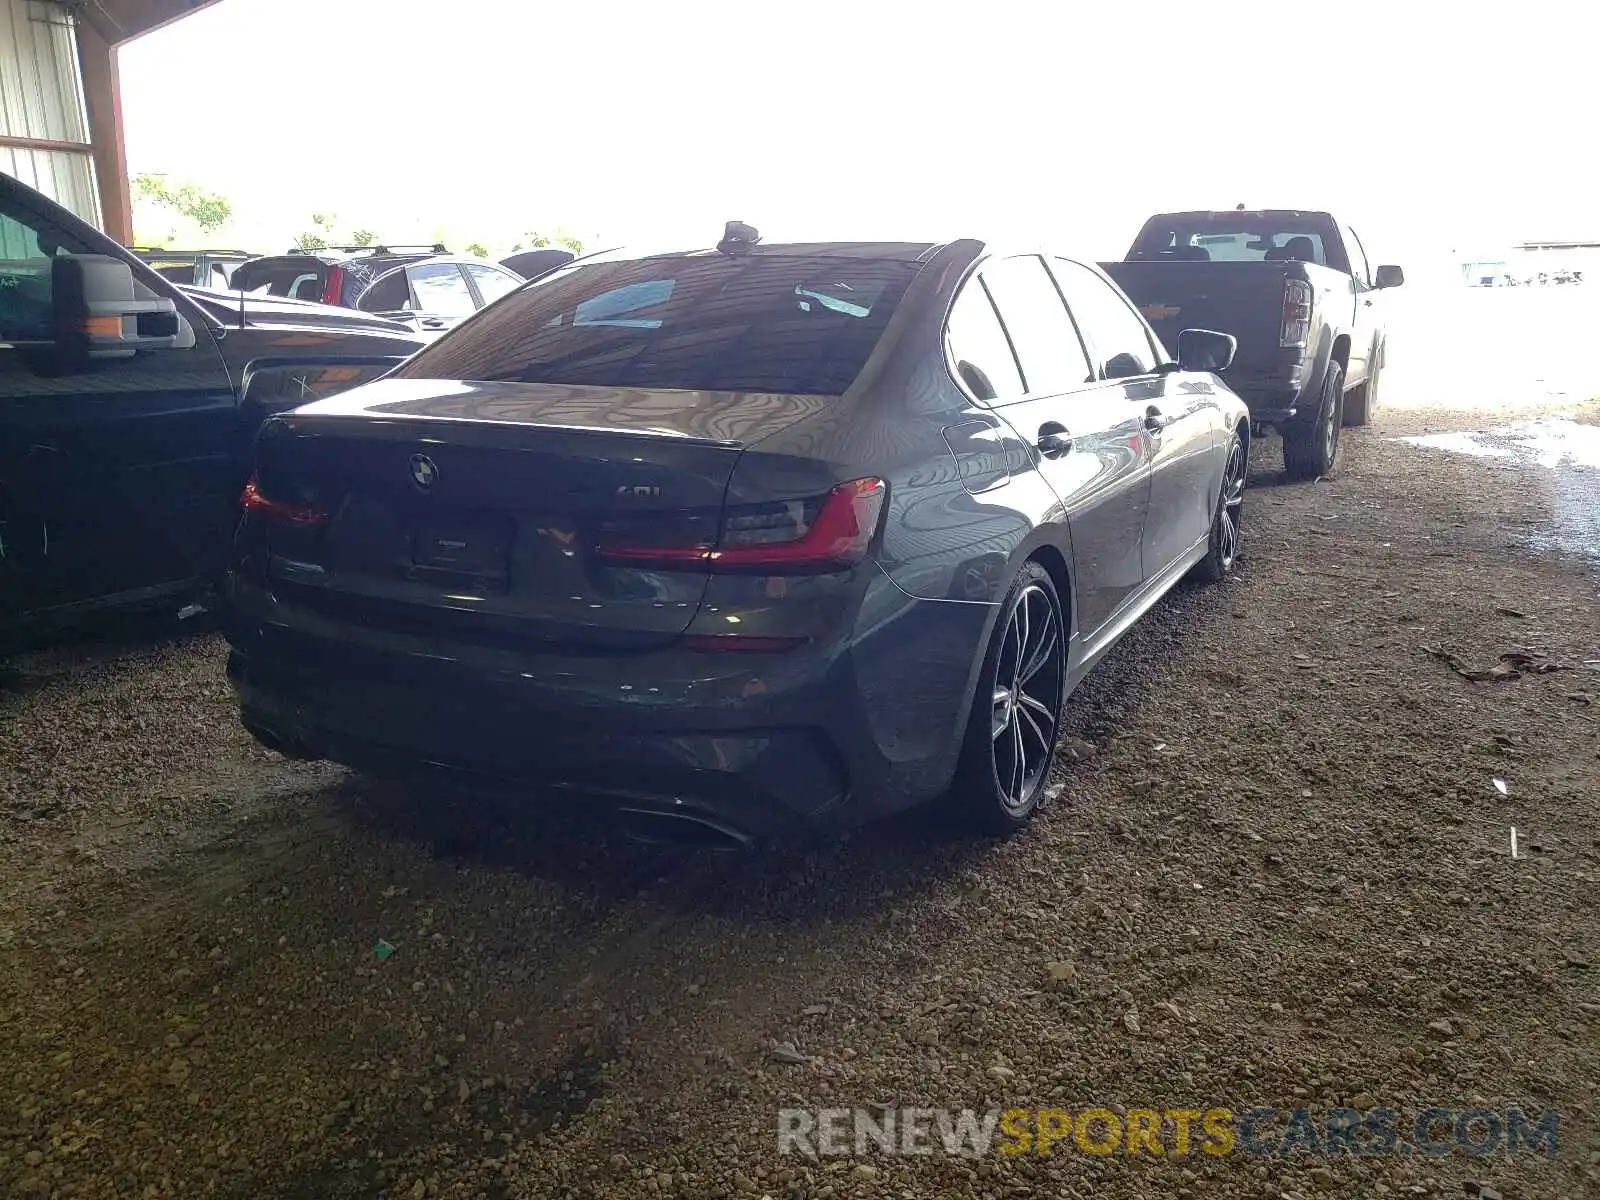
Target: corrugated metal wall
41,97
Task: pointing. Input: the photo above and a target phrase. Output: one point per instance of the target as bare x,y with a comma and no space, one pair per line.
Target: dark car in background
1296,289
737,538
424,287
198,268
127,407
530,264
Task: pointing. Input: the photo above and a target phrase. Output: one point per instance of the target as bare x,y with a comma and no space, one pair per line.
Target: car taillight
333,292
1296,313
824,533
257,502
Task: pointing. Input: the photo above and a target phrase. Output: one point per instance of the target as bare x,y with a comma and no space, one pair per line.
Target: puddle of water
1459,443
1553,442
1568,449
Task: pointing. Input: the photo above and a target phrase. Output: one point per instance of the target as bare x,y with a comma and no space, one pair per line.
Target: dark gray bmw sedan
738,539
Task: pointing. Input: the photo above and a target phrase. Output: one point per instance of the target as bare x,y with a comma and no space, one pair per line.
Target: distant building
1548,246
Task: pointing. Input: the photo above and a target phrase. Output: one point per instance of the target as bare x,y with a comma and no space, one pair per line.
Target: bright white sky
635,122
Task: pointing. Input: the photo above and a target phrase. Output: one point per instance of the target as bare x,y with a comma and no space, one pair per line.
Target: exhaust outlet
659,828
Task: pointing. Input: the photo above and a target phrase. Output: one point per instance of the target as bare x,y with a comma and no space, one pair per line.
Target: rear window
1229,238
179,270
762,323
296,278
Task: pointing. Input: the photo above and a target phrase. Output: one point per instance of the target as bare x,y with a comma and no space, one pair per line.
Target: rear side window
391,293
1053,359
757,323
978,340
1116,334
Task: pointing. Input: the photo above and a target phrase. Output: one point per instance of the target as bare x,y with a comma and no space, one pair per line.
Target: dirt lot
1281,875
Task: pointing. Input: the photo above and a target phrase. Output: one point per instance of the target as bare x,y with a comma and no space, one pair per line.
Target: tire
1223,550
991,794
1311,447
1360,404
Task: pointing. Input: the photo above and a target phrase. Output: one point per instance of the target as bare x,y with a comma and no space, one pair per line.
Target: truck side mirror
1388,277
100,311
1206,350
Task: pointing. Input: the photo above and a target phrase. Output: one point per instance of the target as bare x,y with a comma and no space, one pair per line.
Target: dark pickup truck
128,404
1296,290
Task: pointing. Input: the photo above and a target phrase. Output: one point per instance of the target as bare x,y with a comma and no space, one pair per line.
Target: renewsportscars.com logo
1262,1131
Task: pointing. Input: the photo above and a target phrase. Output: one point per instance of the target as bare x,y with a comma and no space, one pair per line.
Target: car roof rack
174,250
376,249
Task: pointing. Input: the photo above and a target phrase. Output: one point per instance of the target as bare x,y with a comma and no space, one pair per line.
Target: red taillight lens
256,502
333,291
827,533
1296,313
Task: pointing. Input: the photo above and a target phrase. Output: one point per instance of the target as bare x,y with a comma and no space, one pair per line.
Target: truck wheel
1311,446
1360,404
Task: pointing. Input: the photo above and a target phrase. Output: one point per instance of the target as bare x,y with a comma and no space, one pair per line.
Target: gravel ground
1278,873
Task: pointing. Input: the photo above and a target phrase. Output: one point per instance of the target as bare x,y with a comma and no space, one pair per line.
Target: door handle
1054,440
1153,420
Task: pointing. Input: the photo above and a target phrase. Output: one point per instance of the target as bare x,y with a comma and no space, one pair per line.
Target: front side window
1359,269
441,290
1117,335
1053,359
27,289
797,324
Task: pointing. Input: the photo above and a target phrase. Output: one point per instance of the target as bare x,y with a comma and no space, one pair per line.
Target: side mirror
1388,277
972,375
1206,350
100,311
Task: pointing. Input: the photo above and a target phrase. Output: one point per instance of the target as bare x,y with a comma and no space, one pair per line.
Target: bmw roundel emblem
423,472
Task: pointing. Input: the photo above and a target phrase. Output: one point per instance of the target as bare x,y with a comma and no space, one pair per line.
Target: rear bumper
757,744
1278,395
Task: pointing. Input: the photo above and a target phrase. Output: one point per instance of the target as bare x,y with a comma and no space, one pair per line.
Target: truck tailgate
1241,298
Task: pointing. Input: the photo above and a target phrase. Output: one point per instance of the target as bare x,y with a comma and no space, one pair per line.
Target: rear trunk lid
472,510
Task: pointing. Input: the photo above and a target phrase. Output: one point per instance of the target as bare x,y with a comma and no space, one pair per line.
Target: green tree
479,249
363,237
318,238
208,210
543,241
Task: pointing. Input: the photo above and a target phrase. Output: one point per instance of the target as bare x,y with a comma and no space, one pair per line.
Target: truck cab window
1359,269
26,286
